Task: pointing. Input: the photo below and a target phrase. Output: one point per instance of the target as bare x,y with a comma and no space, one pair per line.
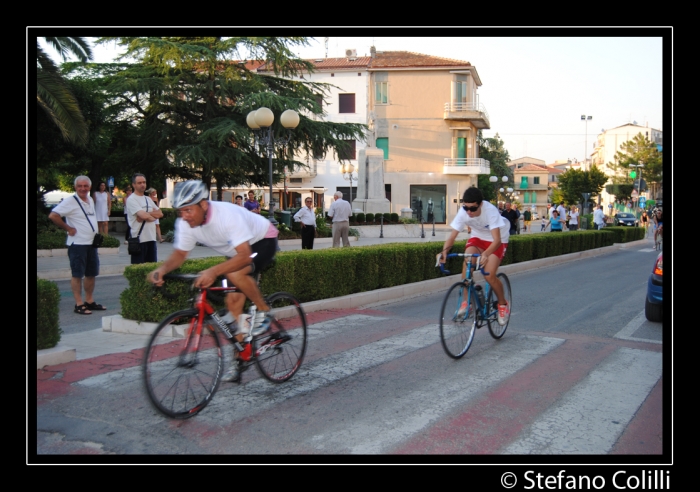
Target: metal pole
433,224
422,232
270,149
381,226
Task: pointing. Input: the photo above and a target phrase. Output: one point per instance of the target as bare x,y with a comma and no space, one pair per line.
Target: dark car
654,303
625,219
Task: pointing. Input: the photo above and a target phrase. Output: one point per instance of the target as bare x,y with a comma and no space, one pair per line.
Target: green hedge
328,273
56,239
48,333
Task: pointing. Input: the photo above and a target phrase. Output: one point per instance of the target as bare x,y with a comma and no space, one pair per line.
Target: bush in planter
387,218
360,217
369,218
48,333
394,218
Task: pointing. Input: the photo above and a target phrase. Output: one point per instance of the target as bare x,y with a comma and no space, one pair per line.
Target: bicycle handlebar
466,257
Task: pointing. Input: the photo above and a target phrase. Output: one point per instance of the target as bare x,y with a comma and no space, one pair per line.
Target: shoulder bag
98,239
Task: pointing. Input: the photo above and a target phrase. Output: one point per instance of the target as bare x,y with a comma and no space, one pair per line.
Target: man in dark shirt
511,215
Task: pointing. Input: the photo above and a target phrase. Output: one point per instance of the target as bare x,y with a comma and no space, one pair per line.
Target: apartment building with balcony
422,111
609,142
532,182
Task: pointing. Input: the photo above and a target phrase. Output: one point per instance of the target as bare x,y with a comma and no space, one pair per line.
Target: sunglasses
470,209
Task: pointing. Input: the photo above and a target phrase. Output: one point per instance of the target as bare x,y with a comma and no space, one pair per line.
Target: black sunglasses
470,209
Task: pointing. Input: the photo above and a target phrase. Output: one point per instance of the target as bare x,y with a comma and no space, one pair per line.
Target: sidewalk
94,343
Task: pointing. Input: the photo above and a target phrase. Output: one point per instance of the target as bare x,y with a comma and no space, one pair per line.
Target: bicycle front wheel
457,324
496,330
182,368
280,351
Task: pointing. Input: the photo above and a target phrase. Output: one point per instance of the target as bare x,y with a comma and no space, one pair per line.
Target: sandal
93,306
82,309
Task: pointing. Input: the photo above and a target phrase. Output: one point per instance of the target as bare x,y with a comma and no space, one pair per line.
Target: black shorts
266,250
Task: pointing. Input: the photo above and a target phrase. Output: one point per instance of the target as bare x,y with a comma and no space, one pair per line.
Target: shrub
369,218
408,220
360,217
387,218
48,333
394,218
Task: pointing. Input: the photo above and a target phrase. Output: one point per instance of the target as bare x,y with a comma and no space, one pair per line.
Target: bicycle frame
469,282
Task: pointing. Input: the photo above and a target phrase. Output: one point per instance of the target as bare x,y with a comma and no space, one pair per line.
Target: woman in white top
103,208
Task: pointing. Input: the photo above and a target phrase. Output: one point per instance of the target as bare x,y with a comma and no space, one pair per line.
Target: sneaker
261,324
503,314
463,310
233,375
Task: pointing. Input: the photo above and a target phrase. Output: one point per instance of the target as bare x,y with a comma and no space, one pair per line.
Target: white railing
466,106
476,165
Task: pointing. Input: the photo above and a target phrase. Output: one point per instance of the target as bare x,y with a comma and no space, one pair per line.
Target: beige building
532,182
424,113
609,142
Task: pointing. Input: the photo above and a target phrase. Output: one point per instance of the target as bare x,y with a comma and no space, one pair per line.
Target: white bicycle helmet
189,193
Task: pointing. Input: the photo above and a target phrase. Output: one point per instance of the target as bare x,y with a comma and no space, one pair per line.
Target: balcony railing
466,166
476,112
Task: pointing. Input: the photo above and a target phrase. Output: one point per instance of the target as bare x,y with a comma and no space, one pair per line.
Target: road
579,372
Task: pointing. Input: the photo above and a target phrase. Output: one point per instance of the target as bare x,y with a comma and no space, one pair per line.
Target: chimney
372,51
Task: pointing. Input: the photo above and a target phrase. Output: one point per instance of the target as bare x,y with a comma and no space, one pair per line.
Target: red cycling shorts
482,245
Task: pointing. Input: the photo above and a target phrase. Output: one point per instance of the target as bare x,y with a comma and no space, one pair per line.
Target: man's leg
312,235
89,286
345,228
76,285
492,269
336,234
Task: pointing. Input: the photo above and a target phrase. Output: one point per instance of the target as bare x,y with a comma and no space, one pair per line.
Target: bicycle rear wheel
457,329
496,330
182,369
280,351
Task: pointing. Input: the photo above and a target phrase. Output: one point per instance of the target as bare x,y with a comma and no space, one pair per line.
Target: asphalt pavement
84,342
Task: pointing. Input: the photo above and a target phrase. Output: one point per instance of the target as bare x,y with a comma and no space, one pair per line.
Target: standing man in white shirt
307,217
599,218
141,211
340,211
81,226
561,210
573,222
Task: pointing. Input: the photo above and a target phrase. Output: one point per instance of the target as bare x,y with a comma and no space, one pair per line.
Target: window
523,182
346,103
347,152
428,202
319,101
381,91
536,180
383,143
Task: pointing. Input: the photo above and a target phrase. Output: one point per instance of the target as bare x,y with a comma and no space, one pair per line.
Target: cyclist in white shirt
489,238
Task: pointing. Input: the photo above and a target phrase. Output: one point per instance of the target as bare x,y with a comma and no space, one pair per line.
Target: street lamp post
494,180
347,169
261,121
585,149
639,187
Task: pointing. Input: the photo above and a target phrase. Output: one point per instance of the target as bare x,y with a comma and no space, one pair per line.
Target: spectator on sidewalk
307,217
151,192
599,218
103,207
142,214
127,193
573,220
81,226
340,212
527,218
251,203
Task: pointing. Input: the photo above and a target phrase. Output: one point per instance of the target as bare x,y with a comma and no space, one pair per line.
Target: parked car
625,219
654,302
535,216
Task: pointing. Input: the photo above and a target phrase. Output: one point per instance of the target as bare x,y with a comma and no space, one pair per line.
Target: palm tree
52,93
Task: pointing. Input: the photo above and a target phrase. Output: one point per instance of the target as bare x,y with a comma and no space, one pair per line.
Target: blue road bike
467,306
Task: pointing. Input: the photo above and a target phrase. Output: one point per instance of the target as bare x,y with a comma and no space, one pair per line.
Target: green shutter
383,143
461,148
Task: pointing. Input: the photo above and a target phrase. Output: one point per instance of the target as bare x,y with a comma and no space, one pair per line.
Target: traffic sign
642,201
110,182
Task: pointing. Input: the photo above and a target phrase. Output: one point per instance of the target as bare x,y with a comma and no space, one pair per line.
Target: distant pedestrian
151,192
307,217
127,193
511,215
142,214
340,211
544,224
561,211
239,200
103,207
527,218
81,226
555,222
251,203
599,218
573,220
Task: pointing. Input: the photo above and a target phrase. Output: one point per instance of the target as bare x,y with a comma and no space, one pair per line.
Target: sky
535,89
